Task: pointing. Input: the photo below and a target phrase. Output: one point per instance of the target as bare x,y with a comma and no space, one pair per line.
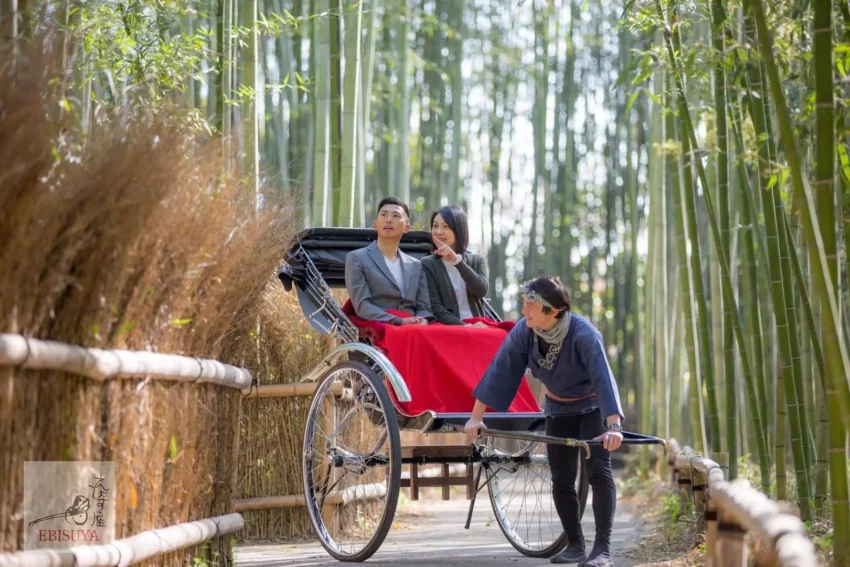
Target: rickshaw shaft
539,438
379,460
550,440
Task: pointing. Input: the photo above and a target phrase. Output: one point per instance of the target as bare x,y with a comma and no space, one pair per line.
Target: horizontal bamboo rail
728,511
294,390
129,550
100,364
294,501
346,496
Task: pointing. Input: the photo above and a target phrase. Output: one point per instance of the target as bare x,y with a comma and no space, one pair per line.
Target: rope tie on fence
714,467
200,369
255,386
27,357
730,527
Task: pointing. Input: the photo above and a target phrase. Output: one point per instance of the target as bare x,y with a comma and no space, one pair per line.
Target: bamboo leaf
773,179
631,101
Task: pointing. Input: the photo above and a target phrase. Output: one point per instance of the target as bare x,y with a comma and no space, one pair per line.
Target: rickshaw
352,457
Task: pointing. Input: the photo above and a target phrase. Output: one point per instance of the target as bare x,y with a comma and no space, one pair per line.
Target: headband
537,298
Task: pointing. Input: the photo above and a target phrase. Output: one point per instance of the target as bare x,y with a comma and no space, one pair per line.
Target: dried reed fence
125,243
272,428
729,511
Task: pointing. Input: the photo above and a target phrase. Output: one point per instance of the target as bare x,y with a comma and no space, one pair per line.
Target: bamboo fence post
672,453
698,482
713,477
731,545
683,478
711,533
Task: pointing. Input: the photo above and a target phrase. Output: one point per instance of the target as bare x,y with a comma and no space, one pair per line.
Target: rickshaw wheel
583,485
351,461
521,496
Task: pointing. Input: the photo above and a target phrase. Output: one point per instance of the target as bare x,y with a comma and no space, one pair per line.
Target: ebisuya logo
68,503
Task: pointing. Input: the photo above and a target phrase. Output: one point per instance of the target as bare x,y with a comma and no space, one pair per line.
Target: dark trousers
563,462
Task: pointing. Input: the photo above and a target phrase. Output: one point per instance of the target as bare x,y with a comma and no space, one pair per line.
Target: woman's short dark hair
455,219
552,290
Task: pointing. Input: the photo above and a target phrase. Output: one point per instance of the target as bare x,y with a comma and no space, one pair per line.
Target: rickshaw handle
565,441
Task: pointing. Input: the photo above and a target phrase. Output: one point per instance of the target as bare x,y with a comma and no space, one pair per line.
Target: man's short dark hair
393,201
552,290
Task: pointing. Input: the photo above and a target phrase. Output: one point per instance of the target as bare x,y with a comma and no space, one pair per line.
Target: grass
671,537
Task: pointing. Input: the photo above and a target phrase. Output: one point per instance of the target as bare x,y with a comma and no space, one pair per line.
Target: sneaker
574,553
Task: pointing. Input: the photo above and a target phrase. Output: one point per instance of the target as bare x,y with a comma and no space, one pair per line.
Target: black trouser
563,462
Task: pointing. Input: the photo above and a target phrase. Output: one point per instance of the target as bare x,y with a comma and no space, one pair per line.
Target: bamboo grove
683,166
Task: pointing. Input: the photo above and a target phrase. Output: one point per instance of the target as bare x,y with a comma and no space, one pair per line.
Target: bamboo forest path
430,532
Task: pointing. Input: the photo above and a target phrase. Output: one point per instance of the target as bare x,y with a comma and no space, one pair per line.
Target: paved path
430,532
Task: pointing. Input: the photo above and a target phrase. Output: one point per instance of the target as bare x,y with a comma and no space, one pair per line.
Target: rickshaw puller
567,354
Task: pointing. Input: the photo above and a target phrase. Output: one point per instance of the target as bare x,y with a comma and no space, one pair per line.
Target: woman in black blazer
457,279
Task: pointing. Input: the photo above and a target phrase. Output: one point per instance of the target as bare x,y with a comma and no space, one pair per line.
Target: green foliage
672,508
137,50
678,520
206,559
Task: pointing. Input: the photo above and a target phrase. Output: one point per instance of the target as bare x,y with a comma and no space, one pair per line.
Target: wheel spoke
521,494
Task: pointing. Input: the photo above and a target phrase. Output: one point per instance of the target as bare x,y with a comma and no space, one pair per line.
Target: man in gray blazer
381,277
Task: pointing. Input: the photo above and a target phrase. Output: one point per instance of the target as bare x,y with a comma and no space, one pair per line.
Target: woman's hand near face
444,251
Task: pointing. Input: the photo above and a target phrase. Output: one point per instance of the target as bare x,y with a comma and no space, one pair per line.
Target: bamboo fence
131,550
728,512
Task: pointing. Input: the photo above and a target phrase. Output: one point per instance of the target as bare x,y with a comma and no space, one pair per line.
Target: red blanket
441,364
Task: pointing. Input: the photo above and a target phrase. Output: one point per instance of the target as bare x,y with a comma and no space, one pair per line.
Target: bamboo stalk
350,115
131,550
752,240
822,30
17,350
250,72
674,166
718,39
402,117
674,44
456,11
726,279
322,201
835,352
780,278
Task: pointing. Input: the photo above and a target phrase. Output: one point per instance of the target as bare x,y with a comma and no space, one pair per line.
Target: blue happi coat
580,368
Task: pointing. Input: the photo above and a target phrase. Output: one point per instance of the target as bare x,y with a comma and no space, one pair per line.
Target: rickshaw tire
583,487
394,439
